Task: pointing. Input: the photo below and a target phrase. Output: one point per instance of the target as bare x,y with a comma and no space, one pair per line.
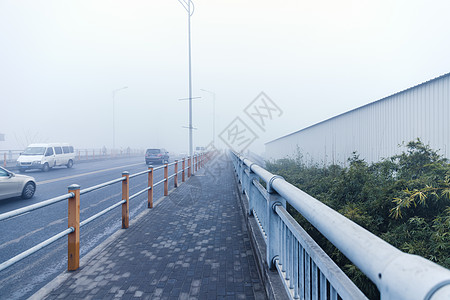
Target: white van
46,156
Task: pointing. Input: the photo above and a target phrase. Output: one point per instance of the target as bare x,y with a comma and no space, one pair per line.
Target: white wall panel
375,130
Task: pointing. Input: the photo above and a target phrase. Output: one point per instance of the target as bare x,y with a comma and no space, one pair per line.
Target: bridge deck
192,245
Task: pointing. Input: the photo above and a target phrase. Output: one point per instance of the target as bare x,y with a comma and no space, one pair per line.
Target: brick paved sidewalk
192,245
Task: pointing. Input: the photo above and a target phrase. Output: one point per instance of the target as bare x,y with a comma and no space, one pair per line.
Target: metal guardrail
73,197
307,272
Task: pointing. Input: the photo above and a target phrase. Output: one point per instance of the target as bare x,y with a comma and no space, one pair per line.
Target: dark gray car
156,155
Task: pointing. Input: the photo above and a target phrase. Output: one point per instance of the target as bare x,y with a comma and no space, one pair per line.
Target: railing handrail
398,275
32,207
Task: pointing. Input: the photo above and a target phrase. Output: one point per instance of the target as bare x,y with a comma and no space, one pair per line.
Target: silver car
13,185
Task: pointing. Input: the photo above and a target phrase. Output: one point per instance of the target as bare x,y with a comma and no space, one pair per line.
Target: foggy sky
61,60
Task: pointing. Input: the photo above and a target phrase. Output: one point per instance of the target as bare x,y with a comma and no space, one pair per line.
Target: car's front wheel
69,164
46,167
28,190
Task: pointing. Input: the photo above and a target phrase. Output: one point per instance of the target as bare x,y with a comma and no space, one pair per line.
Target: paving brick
193,245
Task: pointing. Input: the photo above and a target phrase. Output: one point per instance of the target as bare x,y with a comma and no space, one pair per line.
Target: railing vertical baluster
283,249
166,182
307,276
183,165
150,185
280,240
73,241
314,286
126,197
288,254
291,260
175,178
302,273
323,286
296,269
333,293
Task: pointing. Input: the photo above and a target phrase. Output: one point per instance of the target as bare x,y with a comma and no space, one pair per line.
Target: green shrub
404,199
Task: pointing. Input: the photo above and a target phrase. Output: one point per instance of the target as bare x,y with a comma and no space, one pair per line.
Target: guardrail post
73,239
175,178
4,160
274,223
196,163
189,166
241,175
166,182
251,190
126,197
150,185
183,165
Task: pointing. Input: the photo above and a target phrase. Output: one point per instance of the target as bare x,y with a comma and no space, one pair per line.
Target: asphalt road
25,231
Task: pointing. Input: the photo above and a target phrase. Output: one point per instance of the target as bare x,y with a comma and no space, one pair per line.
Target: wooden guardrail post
196,163
73,239
166,182
183,165
126,197
189,167
150,185
175,178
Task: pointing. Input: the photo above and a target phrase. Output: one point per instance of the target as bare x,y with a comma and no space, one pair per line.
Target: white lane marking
85,174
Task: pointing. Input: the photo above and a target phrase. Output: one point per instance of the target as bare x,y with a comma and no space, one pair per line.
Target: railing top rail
160,167
398,275
140,173
102,185
32,207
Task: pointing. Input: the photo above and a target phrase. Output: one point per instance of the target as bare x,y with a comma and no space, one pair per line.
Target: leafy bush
404,199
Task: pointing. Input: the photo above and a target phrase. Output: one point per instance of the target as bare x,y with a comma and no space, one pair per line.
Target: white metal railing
307,272
73,196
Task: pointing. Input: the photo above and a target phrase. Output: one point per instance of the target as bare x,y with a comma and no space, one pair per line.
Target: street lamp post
214,114
114,115
187,6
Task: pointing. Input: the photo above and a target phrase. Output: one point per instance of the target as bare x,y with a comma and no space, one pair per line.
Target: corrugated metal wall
375,130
